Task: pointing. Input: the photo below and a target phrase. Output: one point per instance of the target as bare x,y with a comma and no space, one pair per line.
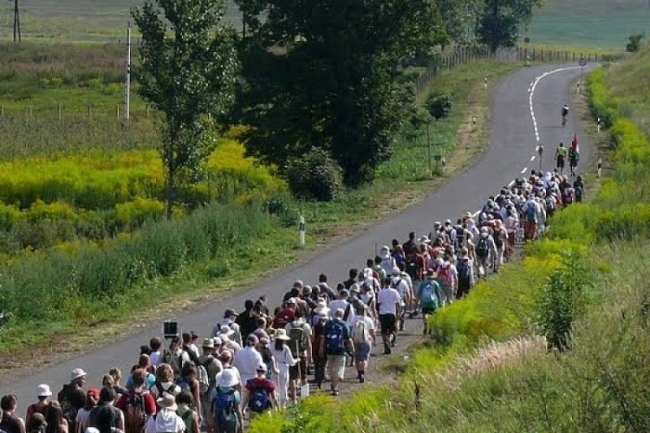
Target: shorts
388,323
298,371
428,309
560,161
361,352
336,366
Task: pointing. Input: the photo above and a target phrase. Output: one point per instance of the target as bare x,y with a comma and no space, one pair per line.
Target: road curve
512,147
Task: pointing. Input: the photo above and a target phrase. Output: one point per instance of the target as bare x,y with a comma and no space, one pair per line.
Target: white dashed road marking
531,94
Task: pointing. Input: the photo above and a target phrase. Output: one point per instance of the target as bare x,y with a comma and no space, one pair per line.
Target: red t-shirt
258,382
149,402
284,317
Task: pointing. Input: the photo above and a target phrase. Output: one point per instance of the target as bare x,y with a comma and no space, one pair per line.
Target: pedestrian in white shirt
388,305
248,359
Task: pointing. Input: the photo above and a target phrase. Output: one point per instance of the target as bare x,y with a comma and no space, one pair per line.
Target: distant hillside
600,23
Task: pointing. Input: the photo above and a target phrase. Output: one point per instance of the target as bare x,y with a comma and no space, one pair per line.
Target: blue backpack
531,212
427,293
260,399
334,335
224,407
462,268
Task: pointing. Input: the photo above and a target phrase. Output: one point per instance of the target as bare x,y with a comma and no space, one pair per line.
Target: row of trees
304,74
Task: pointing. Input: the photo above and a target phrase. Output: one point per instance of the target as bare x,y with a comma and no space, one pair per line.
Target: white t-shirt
388,299
247,360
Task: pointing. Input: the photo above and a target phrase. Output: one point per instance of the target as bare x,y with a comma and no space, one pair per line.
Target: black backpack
462,268
483,249
411,266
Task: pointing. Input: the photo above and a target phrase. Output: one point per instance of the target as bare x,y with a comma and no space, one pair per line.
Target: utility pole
17,34
127,92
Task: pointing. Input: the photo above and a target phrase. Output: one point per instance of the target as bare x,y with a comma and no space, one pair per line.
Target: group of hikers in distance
263,358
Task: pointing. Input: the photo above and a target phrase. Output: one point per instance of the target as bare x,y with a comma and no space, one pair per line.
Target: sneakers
386,349
362,378
335,392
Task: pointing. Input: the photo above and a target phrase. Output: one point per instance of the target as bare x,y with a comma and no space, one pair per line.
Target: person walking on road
430,295
338,343
388,304
560,156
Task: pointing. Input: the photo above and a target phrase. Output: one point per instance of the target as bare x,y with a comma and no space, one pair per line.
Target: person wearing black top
10,423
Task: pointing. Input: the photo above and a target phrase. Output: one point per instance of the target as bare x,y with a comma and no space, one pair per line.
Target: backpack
444,275
260,399
334,336
482,249
174,361
68,409
135,416
184,384
462,268
298,342
531,212
224,407
171,390
460,236
498,238
202,376
578,193
428,295
411,266
188,418
550,204
359,335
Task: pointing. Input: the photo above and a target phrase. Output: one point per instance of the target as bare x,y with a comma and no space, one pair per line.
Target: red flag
574,143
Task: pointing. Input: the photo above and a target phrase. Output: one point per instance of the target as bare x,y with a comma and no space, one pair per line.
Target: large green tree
335,85
502,20
188,71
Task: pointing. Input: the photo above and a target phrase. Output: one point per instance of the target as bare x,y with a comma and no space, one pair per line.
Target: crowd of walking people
265,356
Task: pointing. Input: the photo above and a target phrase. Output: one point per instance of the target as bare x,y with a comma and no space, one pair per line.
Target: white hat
262,367
281,334
217,341
76,374
396,271
228,378
43,390
167,400
225,330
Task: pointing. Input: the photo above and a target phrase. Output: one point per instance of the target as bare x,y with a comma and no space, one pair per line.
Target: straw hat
281,334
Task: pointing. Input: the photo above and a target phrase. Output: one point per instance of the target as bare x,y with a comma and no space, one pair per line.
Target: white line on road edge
531,94
524,170
532,158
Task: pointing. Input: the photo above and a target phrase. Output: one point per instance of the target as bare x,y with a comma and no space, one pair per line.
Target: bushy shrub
439,105
315,176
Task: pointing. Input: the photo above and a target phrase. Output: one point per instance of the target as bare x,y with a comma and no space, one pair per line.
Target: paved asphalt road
513,144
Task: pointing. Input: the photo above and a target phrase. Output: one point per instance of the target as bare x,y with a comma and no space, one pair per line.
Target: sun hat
298,284
208,343
225,330
281,334
168,401
43,390
396,271
227,378
217,341
77,373
262,367
291,301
